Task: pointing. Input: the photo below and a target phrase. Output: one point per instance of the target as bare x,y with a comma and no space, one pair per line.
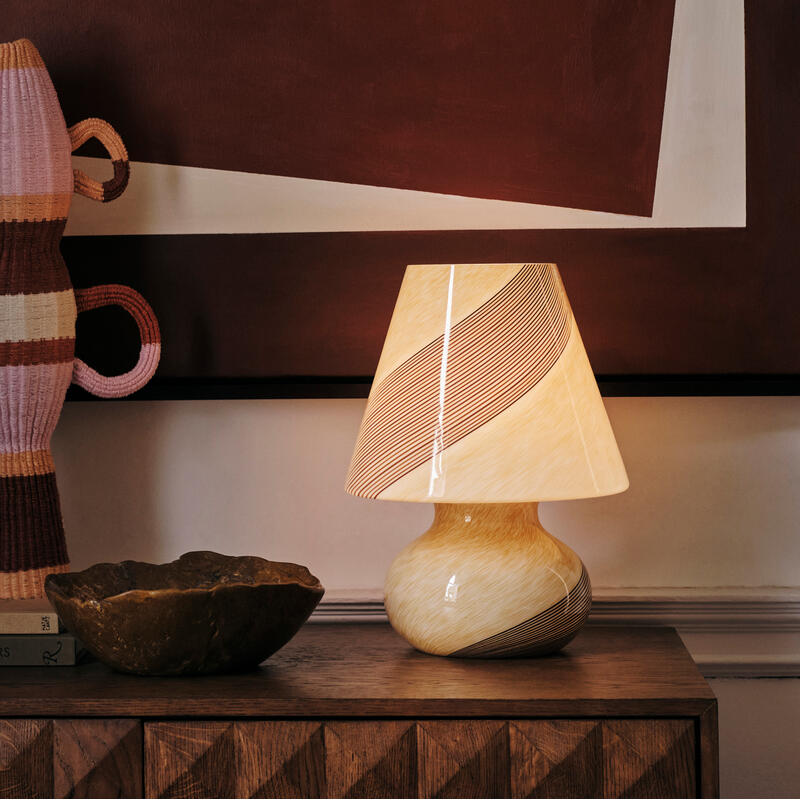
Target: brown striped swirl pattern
545,632
494,356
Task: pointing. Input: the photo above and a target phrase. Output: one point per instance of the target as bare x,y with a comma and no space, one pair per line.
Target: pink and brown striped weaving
38,308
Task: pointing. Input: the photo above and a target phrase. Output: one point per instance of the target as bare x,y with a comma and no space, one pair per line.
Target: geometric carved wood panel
234,759
280,759
26,758
365,759
70,758
556,758
97,758
468,758
189,759
426,758
649,758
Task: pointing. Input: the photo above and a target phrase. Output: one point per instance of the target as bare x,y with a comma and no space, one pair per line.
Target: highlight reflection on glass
436,486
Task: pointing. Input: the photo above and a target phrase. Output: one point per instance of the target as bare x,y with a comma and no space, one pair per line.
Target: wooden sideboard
350,710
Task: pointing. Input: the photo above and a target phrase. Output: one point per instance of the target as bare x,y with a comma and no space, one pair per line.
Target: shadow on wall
106,468
151,480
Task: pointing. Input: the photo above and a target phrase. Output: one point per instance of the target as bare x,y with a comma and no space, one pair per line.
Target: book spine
29,622
38,651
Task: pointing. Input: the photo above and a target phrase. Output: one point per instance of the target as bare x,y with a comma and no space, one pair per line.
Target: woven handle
80,133
113,294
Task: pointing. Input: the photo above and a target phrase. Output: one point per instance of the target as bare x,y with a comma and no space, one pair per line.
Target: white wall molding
747,665
726,610
730,632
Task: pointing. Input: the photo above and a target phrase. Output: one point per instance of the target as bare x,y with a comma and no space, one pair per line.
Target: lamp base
487,581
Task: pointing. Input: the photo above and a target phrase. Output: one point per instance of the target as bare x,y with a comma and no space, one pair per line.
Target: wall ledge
731,632
757,610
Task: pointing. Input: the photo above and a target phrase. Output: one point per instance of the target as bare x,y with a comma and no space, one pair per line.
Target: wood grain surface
463,758
26,758
190,759
280,759
649,758
427,758
556,758
97,758
366,759
346,670
708,733
352,711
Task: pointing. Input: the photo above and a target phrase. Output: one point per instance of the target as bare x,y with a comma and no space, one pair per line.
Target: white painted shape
702,161
712,502
701,169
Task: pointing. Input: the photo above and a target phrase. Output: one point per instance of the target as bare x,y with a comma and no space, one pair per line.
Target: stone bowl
202,614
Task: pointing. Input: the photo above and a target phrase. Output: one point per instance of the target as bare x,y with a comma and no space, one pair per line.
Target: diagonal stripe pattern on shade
483,362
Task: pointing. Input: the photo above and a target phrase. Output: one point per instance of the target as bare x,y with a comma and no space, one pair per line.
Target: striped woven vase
38,308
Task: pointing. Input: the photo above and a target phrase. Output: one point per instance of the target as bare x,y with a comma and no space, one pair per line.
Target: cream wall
713,498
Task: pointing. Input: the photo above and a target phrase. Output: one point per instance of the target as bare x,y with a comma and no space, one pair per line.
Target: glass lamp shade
484,394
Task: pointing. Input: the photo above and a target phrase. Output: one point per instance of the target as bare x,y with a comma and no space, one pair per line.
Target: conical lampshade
484,394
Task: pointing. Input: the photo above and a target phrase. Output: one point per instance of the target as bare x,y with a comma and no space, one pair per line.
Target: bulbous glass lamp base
487,581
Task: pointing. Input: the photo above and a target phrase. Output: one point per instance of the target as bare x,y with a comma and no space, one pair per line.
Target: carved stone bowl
201,614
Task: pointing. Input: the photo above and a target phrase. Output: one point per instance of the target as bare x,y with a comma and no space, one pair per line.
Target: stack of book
31,635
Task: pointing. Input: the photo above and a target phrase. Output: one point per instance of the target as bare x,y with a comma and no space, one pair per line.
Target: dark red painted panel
681,302
530,100
647,301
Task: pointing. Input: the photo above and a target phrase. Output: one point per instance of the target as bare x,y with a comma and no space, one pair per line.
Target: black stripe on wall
674,302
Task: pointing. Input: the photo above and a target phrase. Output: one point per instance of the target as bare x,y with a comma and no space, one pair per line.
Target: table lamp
485,404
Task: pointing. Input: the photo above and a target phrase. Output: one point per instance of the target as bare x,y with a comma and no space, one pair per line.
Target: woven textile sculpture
38,308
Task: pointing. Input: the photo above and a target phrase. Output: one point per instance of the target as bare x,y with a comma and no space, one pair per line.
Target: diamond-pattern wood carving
26,758
463,758
556,758
280,759
649,758
241,759
365,759
190,759
423,758
97,758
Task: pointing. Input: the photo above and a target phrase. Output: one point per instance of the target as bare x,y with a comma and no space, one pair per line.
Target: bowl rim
58,582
